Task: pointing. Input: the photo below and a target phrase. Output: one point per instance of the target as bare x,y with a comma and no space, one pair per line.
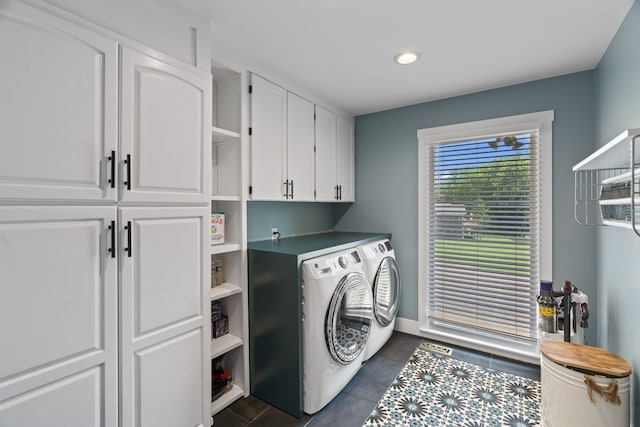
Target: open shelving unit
228,195
607,184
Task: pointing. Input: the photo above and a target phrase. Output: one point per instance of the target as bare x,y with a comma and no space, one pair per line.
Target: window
485,231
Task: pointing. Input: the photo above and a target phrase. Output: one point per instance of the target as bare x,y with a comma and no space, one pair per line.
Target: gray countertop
314,245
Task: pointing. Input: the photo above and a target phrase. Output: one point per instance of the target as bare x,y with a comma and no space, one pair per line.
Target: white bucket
566,401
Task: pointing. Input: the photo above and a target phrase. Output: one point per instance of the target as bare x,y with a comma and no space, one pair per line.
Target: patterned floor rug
433,389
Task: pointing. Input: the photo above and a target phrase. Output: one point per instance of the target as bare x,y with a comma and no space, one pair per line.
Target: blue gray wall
387,172
617,91
291,219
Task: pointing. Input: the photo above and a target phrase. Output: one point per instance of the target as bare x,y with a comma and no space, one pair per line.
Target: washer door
349,318
386,291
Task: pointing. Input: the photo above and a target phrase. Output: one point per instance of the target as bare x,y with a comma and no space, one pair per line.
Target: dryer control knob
381,248
343,261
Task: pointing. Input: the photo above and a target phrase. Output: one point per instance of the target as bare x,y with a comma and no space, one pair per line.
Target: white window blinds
482,230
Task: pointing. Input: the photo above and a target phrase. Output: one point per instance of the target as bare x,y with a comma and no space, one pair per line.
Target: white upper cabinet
58,119
334,157
300,141
282,143
268,139
326,186
345,160
165,149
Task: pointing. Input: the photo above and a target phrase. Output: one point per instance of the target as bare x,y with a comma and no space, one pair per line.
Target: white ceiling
342,50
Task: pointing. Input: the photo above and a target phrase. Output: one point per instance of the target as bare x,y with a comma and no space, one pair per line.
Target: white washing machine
336,320
381,270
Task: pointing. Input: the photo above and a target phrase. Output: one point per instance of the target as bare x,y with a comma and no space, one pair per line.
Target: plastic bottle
213,274
217,265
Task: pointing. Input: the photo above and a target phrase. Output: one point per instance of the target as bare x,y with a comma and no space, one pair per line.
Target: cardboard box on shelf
220,326
217,228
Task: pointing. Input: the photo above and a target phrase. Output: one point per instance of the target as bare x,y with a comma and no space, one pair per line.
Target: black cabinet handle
291,188
336,192
339,192
112,180
286,189
128,248
112,229
127,162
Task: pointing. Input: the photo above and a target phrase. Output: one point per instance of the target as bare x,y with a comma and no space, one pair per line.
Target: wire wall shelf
607,184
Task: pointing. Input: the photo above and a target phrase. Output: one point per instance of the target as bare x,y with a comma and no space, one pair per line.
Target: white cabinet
163,145
334,157
163,308
300,142
299,151
282,139
103,305
59,112
345,160
229,195
268,140
59,120
325,167
58,316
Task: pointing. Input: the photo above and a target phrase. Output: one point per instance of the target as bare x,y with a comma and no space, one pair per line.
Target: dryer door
386,290
348,319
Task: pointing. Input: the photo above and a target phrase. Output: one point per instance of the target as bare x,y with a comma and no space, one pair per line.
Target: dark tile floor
353,405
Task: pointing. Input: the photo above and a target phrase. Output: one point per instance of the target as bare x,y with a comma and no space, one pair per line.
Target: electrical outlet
274,233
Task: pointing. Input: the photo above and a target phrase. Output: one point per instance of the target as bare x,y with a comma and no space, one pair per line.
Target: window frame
539,121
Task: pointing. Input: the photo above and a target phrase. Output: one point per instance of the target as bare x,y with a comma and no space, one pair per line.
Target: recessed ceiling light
406,58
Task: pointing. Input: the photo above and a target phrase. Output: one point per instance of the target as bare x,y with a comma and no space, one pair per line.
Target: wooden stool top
585,358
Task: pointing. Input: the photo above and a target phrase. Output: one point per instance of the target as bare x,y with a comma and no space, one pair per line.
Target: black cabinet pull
339,192
127,162
112,180
335,194
291,188
112,229
286,190
128,248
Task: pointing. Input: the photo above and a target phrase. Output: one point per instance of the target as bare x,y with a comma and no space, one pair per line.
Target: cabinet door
163,344
58,317
58,114
268,139
326,186
300,141
345,160
165,126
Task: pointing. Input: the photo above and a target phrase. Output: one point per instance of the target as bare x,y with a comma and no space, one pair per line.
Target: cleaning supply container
583,386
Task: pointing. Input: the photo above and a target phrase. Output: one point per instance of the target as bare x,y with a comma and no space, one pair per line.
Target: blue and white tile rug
435,390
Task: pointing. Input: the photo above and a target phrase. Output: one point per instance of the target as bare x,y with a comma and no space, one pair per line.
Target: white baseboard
408,326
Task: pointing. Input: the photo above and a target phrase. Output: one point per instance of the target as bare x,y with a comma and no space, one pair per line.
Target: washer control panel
336,264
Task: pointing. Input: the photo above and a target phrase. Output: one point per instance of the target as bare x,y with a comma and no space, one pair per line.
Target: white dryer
336,318
382,272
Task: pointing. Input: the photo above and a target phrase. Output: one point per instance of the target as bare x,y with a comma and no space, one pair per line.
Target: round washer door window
386,291
349,318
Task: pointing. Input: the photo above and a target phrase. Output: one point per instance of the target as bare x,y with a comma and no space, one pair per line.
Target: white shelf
217,198
228,182
226,399
621,201
224,344
224,290
614,155
221,135
224,248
